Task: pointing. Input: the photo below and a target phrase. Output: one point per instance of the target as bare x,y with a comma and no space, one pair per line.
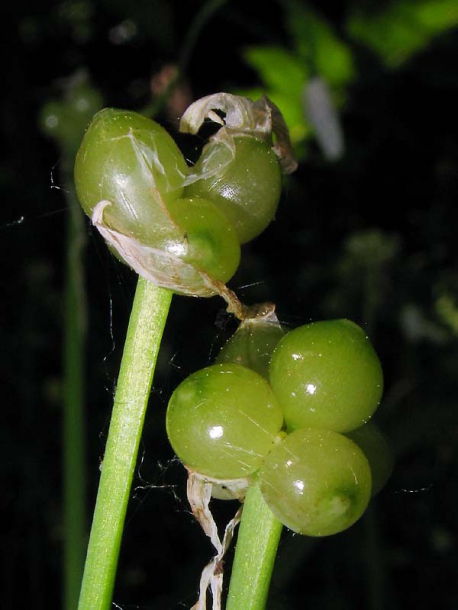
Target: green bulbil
327,375
253,342
243,177
316,482
223,420
131,161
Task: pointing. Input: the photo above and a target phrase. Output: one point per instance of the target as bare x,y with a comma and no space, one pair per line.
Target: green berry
131,161
223,420
316,482
211,244
243,178
253,342
326,375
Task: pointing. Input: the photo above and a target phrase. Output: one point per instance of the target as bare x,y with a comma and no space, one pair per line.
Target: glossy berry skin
316,482
223,420
211,242
244,180
131,162
252,343
378,451
326,375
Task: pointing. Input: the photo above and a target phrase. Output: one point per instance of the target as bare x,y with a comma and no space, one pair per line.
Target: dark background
371,237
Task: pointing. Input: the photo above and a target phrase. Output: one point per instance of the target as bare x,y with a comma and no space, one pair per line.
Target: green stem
74,448
201,19
255,553
149,314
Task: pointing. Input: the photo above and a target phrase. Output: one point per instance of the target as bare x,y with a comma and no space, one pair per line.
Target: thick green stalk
255,553
74,448
149,314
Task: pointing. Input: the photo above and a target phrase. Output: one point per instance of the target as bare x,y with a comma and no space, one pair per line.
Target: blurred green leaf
277,67
318,45
316,50
402,29
447,310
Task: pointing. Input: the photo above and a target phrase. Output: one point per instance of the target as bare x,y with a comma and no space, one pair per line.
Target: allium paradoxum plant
181,228
282,417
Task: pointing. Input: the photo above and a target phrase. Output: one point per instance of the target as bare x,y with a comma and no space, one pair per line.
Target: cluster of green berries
290,412
177,224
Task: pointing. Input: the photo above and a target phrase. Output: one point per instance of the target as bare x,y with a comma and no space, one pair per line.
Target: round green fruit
316,482
253,342
131,161
326,375
210,244
223,420
243,179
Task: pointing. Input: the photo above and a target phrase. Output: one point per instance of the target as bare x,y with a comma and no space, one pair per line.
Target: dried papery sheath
154,264
239,115
242,117
283,147
200,493
167,270
220,489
